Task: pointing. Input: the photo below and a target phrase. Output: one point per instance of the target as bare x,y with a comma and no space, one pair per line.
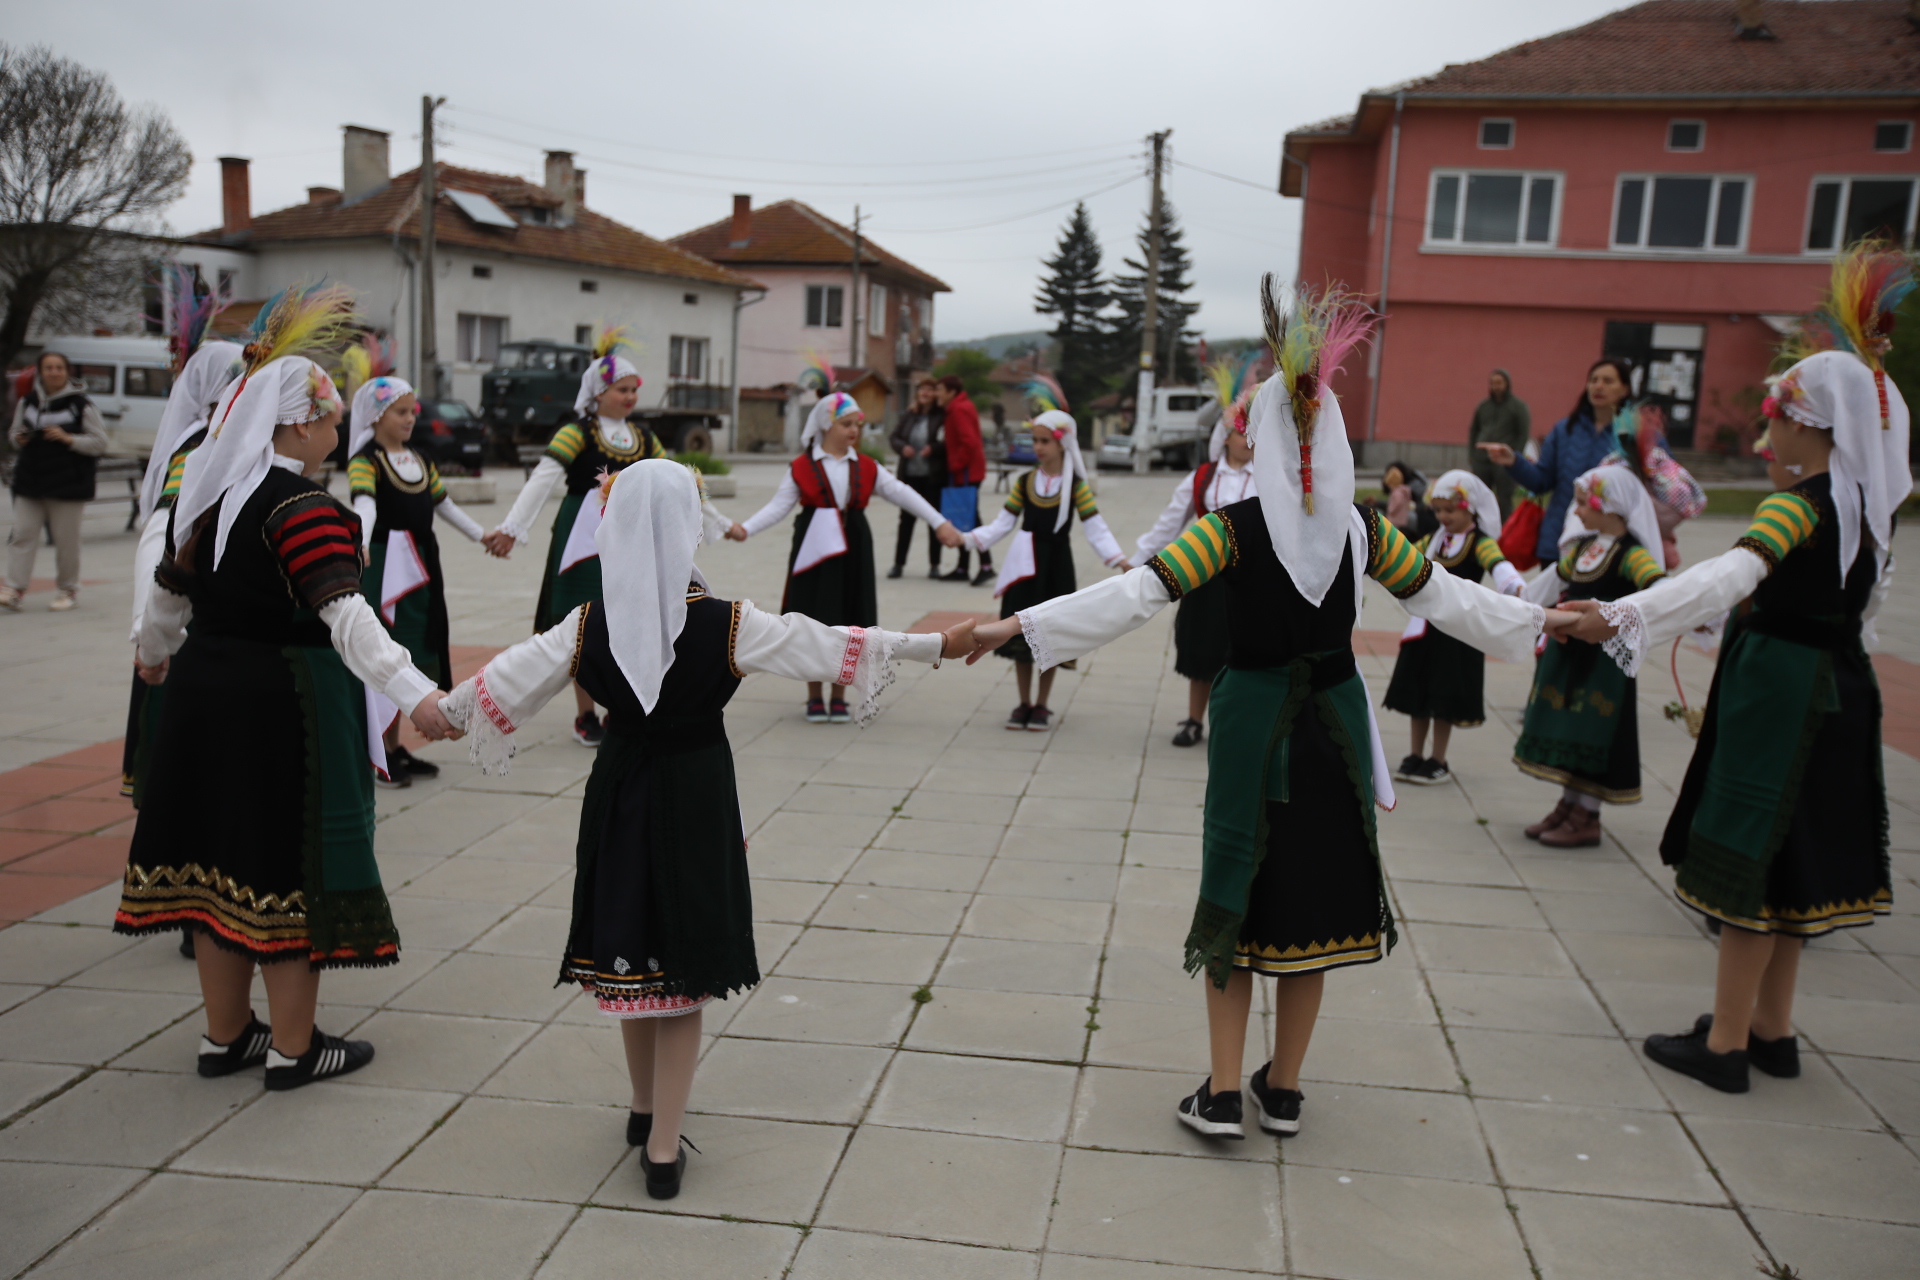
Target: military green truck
530,390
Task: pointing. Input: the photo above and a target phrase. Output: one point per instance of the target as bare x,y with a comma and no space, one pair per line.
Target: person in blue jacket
1578,443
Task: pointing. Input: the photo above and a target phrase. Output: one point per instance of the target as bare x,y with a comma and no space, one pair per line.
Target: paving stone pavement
964,1058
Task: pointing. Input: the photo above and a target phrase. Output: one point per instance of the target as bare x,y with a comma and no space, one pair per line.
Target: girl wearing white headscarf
830,568
1226,477
1290,882
267,852
1438,681
1780,829
662,919
1581,728
1042,504
183,425
397,494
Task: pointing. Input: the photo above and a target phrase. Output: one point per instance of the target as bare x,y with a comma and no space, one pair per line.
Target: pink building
1667,183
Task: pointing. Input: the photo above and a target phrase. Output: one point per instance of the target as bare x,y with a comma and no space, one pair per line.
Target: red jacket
966,456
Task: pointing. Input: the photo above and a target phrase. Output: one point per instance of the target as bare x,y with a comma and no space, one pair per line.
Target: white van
128,379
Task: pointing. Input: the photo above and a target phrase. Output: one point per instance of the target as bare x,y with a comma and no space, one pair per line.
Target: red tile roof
788,234
594,240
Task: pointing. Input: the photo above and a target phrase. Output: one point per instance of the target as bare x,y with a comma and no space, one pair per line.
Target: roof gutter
1386,270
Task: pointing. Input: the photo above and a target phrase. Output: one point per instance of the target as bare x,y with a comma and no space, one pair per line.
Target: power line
1031,213
1257,186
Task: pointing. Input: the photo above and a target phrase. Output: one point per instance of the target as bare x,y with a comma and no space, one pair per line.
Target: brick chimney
579,192
236,197
322,195
562,187
742,230
1748,22
364,163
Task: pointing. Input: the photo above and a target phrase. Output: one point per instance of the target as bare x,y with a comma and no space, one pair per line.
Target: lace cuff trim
1043,659
1628,645
518,534
472,709
867,669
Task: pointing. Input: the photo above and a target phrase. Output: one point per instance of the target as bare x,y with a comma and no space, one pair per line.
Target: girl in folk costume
1437,680
1581,728
269,856
830,569
662,920
201,371
1041,505
1200,626
1780,830
1290,882
397,493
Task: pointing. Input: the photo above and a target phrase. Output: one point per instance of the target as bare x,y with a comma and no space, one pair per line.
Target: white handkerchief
1416,627
826,538
1019,564
580,545
380,714
405,572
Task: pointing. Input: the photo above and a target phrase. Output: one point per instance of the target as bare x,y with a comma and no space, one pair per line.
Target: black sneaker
1689,1055
327,1056
816,712
958,575
1436,771
639,1128
1778,1058
1278,1110
896,571
1039,719
248,1049
587,730
1018,717
983,577
1217,1115
1425,773
1190,734
394,779
837,712
934,573
401,760
1409,769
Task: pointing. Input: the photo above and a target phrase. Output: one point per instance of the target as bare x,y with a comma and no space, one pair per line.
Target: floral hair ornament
1311,332
320,389
1869,283
1233,389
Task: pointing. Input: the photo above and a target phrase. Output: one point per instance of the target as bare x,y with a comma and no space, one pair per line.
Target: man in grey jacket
1501,418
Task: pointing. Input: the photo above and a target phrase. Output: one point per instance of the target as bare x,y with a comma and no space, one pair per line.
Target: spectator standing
59,436
966,460
919,441
1502,418
1577,444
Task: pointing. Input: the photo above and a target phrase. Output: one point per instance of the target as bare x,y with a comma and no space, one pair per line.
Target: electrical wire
1257,186
1031,213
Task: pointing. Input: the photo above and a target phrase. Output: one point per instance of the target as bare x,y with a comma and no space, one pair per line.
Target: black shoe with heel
663,1180
1189,735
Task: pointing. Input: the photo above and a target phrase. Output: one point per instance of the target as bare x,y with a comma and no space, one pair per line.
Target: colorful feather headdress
1230,382
188,313
1044,391
1311,333
611,339
1869,282
300,319
819,370
370,358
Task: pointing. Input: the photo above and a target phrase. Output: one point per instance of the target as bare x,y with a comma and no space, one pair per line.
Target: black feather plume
1271,315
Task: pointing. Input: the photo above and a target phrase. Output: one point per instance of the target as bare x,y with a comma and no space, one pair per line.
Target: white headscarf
601,372
1835,391
646,538
1310,546
1619,492
239,447
370,404
826,411
1464,486
1217,443
202,379
1061,426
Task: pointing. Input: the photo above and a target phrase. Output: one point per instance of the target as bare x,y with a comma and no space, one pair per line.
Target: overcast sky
964,131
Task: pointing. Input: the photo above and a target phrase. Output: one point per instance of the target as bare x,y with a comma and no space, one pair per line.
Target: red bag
1520,535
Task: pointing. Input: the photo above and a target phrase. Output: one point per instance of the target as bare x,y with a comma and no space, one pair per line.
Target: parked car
451,435
1177,431
128,379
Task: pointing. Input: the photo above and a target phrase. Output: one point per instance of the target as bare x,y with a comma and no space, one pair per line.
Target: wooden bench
112,467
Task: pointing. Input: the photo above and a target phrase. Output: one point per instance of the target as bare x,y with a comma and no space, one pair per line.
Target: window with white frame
1473,208
824,306
687,358
480,337
1843,210
1681,211
877,310
1686,135
1893,135
1496,135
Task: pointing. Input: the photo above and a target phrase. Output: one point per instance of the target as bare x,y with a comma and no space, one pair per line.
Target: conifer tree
1173,357
1076,291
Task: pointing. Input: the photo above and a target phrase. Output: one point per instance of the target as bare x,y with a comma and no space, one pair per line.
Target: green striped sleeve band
1641,568
1782,522
566,444
1196,556
1396,564
1083,502
1487,552
360,476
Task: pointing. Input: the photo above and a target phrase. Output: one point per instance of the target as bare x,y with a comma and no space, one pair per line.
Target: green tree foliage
1173,356
1077,292
975,369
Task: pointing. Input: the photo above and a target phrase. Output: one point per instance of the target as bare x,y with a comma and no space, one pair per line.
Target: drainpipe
1386,268
412,330
740,303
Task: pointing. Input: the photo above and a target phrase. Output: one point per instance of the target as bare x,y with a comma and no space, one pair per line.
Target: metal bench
110,468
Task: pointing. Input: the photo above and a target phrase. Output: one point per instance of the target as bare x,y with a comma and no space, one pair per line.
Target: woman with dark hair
923,468
1577,444
58,434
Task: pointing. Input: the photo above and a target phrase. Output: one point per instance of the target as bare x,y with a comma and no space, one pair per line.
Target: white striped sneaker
326,1056
248,1049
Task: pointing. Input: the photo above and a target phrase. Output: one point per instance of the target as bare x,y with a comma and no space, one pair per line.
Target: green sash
1253,715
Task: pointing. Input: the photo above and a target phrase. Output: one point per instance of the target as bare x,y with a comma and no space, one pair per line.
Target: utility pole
429,370
1143,396
853,342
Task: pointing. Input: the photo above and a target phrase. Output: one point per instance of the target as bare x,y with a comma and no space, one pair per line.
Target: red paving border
64,827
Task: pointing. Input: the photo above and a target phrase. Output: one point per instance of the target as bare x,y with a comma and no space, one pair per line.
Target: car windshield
452,411
512,356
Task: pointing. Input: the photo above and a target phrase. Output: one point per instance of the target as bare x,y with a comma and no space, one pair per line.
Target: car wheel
695,440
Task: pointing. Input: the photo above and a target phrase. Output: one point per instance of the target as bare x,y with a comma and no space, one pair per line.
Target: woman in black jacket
923,467
58,438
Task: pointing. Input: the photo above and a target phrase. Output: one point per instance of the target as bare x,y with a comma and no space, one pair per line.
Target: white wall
774,337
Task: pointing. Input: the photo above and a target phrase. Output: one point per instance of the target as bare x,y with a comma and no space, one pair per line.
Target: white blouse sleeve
146,558
454,514
784,500
509,690
713,522
371,652
369,513
902,495
1069,627
1507,579
533,496
1496,624
1173,520
987,534
1101,539
796,647
1876,601
163,625
1545,589
1674,606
